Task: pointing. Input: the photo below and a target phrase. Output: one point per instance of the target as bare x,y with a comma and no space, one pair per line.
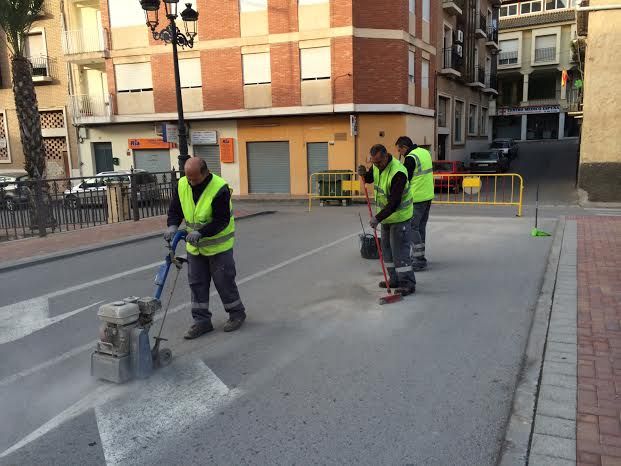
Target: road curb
516,443
37,260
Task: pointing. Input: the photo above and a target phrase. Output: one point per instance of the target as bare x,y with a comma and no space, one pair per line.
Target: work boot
419,266
196,330
392,284
235,322
405,290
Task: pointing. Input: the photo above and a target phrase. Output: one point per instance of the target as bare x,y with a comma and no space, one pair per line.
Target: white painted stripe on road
26,317
173,400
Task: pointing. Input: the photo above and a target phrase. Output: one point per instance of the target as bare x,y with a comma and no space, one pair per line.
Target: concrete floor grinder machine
123,351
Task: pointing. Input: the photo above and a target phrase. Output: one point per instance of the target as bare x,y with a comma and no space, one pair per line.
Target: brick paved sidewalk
24,249
599,341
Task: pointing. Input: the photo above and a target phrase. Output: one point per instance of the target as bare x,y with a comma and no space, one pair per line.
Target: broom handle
379,248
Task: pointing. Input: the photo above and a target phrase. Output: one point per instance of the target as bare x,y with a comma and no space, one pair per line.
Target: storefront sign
204,138
530,110
227,150
144,143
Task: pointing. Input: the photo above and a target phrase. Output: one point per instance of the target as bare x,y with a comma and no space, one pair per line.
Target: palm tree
16,18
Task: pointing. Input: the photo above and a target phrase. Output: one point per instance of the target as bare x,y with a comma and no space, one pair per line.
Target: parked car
489,161
93,191
442,168
13,191
507,146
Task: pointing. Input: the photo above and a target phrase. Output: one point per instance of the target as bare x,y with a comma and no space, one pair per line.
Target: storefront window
542,126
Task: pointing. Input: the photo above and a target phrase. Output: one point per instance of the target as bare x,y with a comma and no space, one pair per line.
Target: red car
443,168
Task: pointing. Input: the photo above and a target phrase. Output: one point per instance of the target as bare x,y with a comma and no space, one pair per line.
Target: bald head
196,170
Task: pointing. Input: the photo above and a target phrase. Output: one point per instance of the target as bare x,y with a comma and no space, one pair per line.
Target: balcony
491,83
84,45
545,55
508,58
492,38
574,100
42,69
481,30
89,109
450,63
453,7
477,78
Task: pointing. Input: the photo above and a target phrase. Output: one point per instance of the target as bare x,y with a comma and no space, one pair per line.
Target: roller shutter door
211,155
268,167
317,153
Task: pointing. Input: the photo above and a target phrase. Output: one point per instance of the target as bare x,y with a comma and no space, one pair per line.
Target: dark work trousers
419,233
396,239
220,268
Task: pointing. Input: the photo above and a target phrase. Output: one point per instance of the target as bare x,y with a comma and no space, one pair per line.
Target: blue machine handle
162,273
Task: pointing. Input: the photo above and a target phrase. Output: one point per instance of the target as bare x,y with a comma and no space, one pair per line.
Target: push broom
536,231
390,297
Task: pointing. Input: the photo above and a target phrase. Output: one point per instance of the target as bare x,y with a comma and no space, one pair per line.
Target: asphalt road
319,374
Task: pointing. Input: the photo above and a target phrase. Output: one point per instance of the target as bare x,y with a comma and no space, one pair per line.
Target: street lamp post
171,34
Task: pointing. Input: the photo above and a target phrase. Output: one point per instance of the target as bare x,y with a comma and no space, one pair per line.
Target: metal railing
508,58
38,207
483,23
547,54
491,80
41,66
83,41
450,58
574,100
492,34
494,189
86,108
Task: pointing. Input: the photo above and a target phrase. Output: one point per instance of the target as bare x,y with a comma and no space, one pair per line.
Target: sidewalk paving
577,416
80,240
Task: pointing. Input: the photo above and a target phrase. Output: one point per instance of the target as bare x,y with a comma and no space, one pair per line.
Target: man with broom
394,212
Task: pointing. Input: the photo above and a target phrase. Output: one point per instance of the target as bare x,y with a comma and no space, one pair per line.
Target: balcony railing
483,23
492,34
491,81
89,108
83,41
42,68
544,55
450,59
508,58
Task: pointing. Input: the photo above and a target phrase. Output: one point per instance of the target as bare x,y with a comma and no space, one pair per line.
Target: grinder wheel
165,357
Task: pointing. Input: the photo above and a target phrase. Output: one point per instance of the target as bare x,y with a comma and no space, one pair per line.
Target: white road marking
175,399
26,317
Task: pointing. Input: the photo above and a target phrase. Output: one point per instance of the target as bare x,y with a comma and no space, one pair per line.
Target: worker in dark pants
203,201
419,166
394,204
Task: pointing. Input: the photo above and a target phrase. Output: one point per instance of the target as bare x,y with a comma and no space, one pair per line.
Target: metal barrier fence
38,207
498,189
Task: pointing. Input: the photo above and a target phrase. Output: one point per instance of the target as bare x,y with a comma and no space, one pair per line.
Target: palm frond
16,18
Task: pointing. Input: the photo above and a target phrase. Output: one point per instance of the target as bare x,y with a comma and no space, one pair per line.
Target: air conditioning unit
460,36
459,50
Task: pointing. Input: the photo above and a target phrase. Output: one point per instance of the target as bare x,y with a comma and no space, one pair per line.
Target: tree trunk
28,117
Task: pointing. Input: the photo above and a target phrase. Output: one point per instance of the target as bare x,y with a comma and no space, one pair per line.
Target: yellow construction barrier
339,186
499,189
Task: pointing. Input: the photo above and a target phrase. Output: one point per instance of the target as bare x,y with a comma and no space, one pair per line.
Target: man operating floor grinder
203,201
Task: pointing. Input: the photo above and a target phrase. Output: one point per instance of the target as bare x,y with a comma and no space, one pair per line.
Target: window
458,125
248,6
509,10
257,69
508,52
424,74
472,120
315,63
556,4
133,77
36,52
530,7
443,106
412,7
190,73
411,61
484,116
545,48
124,13
426,11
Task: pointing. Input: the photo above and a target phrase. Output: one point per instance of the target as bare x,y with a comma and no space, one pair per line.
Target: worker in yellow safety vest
394,212
203,202
419,166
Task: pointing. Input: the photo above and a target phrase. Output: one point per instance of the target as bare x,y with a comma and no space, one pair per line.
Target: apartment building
273,90
535,42
467,49
600,146
49,73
